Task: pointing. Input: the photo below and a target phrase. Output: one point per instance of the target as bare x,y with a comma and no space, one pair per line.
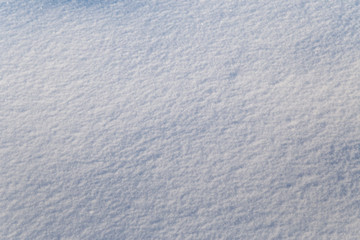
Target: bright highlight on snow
162,119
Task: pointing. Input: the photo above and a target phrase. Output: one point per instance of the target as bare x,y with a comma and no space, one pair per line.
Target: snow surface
161,119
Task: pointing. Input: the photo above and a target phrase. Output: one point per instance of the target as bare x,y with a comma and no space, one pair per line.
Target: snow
164,119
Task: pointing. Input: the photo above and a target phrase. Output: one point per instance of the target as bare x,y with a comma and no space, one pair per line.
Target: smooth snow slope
161,119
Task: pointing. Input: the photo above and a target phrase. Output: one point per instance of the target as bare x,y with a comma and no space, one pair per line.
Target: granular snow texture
161,119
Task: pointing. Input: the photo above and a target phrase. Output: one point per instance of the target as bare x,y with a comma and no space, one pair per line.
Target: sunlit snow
161,119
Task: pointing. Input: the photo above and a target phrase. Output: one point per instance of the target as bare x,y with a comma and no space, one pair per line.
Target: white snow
162,119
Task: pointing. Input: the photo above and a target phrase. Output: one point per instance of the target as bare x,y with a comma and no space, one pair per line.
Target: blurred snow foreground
161,119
